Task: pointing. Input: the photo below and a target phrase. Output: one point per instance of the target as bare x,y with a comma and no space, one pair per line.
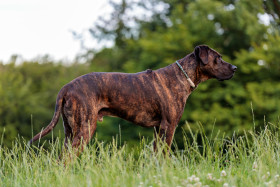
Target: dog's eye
218,60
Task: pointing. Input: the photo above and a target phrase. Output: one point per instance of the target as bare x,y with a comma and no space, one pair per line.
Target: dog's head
212,64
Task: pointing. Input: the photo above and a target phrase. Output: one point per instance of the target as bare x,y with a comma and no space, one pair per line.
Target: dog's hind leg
67,131
68,135
84,135
156,137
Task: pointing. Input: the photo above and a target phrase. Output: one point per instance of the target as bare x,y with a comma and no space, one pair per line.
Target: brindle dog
149,98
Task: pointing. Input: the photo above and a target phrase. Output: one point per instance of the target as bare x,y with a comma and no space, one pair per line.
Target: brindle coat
149,98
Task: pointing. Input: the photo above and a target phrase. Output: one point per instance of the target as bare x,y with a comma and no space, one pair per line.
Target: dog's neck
175,78
192,68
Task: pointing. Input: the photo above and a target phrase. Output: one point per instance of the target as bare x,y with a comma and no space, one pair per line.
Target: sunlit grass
250,160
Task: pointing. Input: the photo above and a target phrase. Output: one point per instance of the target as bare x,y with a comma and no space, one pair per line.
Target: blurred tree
272,7
16,104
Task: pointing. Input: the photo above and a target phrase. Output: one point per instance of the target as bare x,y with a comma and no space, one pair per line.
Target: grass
250,160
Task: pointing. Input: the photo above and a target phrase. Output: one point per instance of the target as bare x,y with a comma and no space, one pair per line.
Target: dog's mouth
227,78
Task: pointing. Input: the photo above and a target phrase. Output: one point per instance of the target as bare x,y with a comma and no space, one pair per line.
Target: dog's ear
201,53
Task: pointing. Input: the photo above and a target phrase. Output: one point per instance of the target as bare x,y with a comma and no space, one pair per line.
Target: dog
152,98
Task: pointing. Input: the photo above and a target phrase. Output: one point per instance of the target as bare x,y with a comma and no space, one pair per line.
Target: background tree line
152,34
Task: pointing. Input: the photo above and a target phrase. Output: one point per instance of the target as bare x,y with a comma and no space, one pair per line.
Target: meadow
248,160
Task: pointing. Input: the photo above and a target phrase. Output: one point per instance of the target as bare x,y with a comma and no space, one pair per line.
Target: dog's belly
142,118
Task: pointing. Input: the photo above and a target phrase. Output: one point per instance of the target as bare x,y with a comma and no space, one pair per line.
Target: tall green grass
248,160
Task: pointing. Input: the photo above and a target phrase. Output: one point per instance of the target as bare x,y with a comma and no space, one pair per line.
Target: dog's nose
233,67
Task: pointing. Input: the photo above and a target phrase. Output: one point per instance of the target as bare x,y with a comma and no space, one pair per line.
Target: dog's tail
55,118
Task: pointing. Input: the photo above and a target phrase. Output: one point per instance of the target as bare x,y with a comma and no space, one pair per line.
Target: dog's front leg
164,133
